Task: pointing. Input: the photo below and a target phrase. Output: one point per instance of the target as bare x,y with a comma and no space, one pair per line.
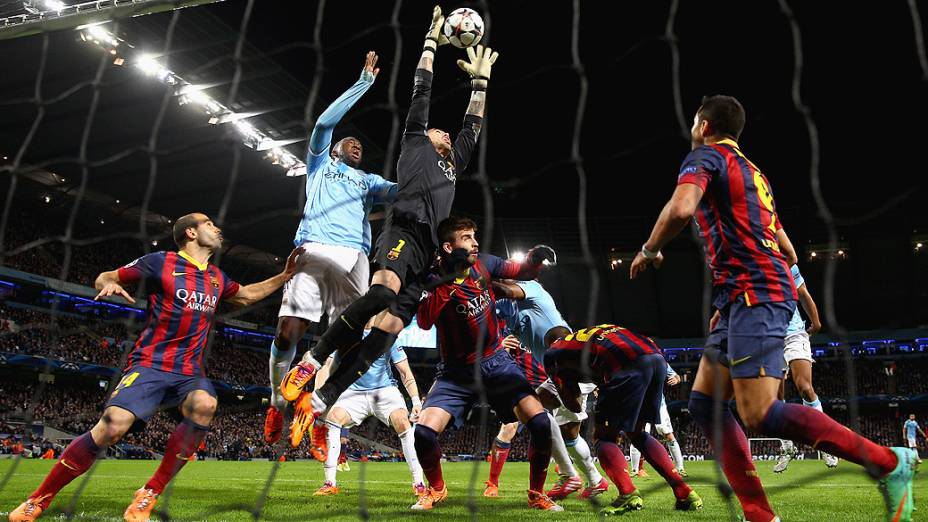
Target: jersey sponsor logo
344,178
476,305
197,301
448,169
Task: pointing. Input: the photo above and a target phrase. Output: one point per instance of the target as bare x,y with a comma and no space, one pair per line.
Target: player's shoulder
707,153
148,259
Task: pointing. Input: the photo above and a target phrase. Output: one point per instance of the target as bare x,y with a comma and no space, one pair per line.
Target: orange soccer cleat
140,508
303,418
492,490
430,498
273,425
419,489
318,445
29,510
538,500
642,474
327,490
296,379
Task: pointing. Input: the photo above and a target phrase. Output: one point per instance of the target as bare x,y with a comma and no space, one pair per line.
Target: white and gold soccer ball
463,28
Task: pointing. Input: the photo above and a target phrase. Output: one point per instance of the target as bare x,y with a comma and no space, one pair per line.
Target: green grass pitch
226,491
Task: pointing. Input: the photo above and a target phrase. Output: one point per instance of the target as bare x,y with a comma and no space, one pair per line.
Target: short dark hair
181,226
725,115
452,224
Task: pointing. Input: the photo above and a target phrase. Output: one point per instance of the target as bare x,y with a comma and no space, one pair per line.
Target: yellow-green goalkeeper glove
480,64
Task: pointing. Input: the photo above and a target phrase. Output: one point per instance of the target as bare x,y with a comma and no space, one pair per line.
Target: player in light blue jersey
531,316
909,432
335,234
374,394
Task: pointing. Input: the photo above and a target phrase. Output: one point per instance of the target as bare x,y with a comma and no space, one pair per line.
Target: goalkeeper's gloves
479,65
434,38
541,253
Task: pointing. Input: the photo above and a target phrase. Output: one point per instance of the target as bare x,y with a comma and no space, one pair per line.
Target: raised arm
321,137
675,215
249,294
786,246
417,120
478,67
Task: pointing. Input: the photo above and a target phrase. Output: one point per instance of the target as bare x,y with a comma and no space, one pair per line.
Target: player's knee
539,427
507,432
377,298
700,406
753,418
203,408
806,390
110,429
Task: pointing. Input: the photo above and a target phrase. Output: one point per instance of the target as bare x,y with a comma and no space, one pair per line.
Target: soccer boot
292,384
430,498
683,472
692,502
782,462
623,504
538,500
318,445
419,489
593,491
273,425
343,466
830,460
565,486
896,487
642,474
303,417
492,490
30,509
140,508
327,489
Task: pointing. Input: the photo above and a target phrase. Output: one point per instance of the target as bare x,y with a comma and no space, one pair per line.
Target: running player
374,394
664,430
529,311
735,213
909,429
427,171
463,311
335,234
165,368
630,371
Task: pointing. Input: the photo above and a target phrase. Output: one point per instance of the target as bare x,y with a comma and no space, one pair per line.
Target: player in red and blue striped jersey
630,371
733,207
165,368
462,306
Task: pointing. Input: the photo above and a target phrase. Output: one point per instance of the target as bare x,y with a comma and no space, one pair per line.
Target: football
463,28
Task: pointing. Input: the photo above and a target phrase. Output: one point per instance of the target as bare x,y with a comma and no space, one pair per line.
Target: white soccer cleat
782,463
830,460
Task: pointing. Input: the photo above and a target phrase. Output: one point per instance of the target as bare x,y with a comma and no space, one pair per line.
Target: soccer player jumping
427,171
735,213
165,369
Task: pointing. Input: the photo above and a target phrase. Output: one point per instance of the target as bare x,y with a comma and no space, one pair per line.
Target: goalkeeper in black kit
427,170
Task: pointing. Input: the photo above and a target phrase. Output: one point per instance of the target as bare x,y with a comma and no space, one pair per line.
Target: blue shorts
750,338
143,390
633,395
503,380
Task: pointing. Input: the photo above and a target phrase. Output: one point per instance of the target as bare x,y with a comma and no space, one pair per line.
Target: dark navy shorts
503,380
143,390
633,395
750,338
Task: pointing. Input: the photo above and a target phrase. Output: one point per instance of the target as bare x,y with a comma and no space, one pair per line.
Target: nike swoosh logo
736,362
451,293
65,464
175,274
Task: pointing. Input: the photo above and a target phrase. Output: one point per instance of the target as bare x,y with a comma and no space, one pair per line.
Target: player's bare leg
283,349
498,454
198,409
399,420
801,370
76,459
432,421
537,421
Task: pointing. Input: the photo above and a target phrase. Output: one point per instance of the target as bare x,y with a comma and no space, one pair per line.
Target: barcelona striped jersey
611,348
183,296
464,311
738,222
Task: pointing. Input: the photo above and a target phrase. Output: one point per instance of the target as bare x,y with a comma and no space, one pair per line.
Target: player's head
441,140
911,416
458,232
556,333
198,228
348,150
718,117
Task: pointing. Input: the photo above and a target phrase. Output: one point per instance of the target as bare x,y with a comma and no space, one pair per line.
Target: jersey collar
728,141
192,261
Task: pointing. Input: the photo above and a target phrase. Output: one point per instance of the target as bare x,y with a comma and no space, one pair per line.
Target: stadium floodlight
148,64
518,256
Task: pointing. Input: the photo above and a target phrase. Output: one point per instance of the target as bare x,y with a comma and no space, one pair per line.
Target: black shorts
405,247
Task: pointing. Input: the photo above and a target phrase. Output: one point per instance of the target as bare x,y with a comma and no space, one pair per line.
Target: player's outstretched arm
409,382
417,119
478,67
808,304
108,284
786,247
250,294
321,136
508,290
673,218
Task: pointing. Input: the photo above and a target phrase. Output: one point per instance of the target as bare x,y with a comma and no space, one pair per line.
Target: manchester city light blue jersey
338,196
380,374
911,427
531,318
796,324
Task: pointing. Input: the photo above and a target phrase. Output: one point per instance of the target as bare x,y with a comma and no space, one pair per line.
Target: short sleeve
797,277
229,287
531,289
381,191
397,354
700,167
145,267
500,268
